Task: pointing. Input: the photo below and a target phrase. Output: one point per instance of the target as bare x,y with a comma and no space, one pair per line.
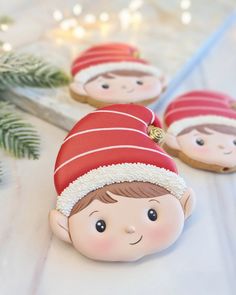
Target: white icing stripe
196,108
120,113
153,115
176,127
109,148
104,129
126,172
104,58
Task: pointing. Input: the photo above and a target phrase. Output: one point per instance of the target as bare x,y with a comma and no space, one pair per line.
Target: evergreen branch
16,136
22,69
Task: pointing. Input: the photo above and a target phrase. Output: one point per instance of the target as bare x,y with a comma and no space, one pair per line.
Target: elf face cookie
113,73
202,130
119,195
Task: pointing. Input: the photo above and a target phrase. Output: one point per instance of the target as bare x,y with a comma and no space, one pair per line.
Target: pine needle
16,136
22,69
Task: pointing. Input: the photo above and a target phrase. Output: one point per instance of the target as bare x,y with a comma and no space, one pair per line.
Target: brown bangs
124,73
215,127
133,189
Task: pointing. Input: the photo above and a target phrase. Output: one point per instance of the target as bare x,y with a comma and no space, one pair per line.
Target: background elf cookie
119,194
114,73
201,130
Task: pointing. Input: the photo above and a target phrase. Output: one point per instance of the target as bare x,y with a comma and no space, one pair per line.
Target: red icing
105,53
108,49
86,62
199,103
83,143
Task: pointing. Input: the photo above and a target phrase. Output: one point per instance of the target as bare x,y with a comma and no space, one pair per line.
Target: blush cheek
161,235
201,150
95,91
103,92
158,234
101,245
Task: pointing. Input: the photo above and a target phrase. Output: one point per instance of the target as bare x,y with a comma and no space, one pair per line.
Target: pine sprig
16,136
22,69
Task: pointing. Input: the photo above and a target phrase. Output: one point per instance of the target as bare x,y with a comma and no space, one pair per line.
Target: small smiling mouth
137,241
132,90
228,153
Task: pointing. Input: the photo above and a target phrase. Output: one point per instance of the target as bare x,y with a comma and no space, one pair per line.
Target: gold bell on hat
156,134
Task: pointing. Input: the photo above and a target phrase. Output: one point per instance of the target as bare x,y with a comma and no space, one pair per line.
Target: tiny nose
130,229
124,87
220,146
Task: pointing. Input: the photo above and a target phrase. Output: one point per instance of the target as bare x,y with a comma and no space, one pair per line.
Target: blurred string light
135,5
77,9
131,15
104,17
5,23
78,22
186,15
79,32
185,4
125,18
68,24
4,27
57,15
90,18
6,46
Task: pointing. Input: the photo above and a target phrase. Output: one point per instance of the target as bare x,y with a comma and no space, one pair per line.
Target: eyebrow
93,212
153,200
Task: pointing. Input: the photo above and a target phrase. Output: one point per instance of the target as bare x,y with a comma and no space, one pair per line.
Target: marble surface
161,37
32,261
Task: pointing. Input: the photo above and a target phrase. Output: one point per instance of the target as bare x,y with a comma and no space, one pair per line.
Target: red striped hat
107,58
199,107
111,145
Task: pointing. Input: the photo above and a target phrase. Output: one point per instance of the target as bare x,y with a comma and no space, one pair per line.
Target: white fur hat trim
127,172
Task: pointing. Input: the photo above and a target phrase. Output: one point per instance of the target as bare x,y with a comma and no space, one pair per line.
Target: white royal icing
127,172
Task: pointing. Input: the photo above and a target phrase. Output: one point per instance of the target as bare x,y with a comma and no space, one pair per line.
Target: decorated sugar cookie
201,130
119,194
113,73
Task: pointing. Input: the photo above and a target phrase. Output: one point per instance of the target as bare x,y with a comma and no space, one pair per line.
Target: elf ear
78,87
188,202
59,225
164,82
171,141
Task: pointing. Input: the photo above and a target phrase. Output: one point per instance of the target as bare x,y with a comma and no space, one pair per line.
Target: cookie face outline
118,88
111,172
122,65
132,236
204,137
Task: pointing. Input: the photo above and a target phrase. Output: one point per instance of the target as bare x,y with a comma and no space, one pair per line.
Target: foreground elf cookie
201,130
113,73
119,194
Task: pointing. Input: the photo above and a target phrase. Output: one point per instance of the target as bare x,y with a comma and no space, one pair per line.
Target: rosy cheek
98,90
101,245
200,149
150,88
158,233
